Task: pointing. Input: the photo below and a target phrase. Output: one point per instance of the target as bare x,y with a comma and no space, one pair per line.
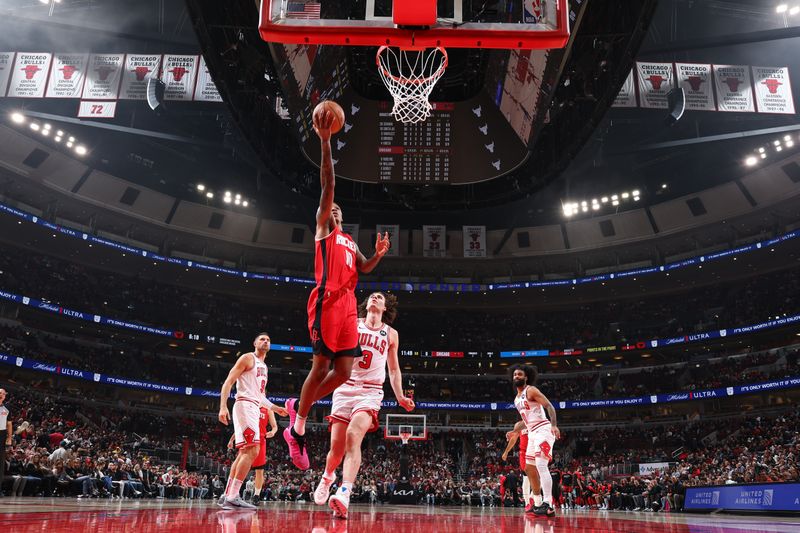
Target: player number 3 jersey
532,413
371,367
252,384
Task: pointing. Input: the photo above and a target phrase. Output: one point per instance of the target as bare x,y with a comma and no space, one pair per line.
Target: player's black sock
301,440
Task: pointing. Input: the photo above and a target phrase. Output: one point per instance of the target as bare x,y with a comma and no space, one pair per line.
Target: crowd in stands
592,324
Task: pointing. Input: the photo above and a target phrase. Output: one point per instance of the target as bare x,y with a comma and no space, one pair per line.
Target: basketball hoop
405,437
409,75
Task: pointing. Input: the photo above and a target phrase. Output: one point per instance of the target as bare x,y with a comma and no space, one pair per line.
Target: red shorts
333,324
261,460
523,446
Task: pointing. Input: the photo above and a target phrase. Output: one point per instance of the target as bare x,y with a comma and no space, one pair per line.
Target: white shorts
351,399
246,415
540,444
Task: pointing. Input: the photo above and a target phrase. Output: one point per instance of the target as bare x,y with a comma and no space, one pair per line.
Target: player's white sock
300,425
537,500
257,492
233,489
347,486
545,478
526,489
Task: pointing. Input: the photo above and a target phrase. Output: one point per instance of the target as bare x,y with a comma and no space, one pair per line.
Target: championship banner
627,94
474,241
67,76
655,81
29,76
352,230
205,90
139,69
697,85
6,63
434,241
179,75
734,90
773,90
103,77
394,237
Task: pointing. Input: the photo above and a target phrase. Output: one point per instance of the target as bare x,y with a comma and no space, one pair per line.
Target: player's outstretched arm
382,244
327,177
395,376
512,440
273,408
243,364
535,395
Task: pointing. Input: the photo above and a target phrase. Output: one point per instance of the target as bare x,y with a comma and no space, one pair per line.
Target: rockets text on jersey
335,262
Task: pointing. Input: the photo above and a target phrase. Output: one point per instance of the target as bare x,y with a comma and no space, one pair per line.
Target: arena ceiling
585,149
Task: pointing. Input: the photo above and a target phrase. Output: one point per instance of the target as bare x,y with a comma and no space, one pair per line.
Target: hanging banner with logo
734,90
103,77
655,81
773,90
474,241
697,86
6,63
352,230
29,76
532,11
394,237
139,69
627,94
67,76
434,241
206,90
179,75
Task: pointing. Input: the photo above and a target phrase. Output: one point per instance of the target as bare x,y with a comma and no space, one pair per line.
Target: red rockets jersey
335,263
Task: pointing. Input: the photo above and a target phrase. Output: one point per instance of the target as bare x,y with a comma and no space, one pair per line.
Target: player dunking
357,402
250,375
332,318
520,432
542,434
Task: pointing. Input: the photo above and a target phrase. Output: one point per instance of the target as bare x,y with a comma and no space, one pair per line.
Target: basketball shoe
339,502
323,491
297,443
237,503
531,507
545,510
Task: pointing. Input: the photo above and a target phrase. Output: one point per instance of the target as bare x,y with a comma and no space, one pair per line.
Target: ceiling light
209,194
567,211
776,143
245,203
636,193
763,156
47,126
761,150
80,150
604,199
227,199
596,207
625,196
72,139
615,197
201,187
69,144
795,10
227,193
663,185
787,137
58,139
778,148
615,203
584,203
45,132
781,8
19,118
238,196
59,133
635,198
585,209
789,144
44,1
34,126
750,161
237,201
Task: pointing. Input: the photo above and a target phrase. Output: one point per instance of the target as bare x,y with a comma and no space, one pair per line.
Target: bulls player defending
520,432
357,402
260,462
250,375
542,434
332,315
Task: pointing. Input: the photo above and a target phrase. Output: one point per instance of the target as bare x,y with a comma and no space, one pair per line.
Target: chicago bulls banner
773,90
67,76
627,94
655,81
474,241
6,63
734,90
139,68
697,86
434,241
394,237
29,76
179,73
205,91
103,76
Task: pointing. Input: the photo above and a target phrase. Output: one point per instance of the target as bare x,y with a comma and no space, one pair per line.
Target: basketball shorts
333,325
261,460
350,399
540,444
245,424
523,449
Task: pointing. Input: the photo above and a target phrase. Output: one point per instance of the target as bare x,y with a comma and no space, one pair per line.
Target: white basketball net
410,75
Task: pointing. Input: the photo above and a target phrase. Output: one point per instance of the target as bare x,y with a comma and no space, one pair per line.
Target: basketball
333,107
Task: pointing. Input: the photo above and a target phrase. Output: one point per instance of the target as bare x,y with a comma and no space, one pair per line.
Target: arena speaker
676,100
155,95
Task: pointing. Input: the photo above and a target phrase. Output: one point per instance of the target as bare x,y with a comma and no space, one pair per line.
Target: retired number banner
179,75
67,76
394,237
434,241
655,81
474,241
773,90
29,76
734,89
6,63
697,86
627,94
139,69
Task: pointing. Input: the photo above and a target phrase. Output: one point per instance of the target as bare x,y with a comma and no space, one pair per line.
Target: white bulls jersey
532,413
252,383
371,367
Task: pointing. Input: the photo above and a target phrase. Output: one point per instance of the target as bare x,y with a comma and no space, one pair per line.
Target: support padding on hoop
414,12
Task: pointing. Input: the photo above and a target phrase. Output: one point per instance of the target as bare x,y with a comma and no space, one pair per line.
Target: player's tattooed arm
382,244
535,395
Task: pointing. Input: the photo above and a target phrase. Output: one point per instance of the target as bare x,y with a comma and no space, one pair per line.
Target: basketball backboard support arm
276,25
